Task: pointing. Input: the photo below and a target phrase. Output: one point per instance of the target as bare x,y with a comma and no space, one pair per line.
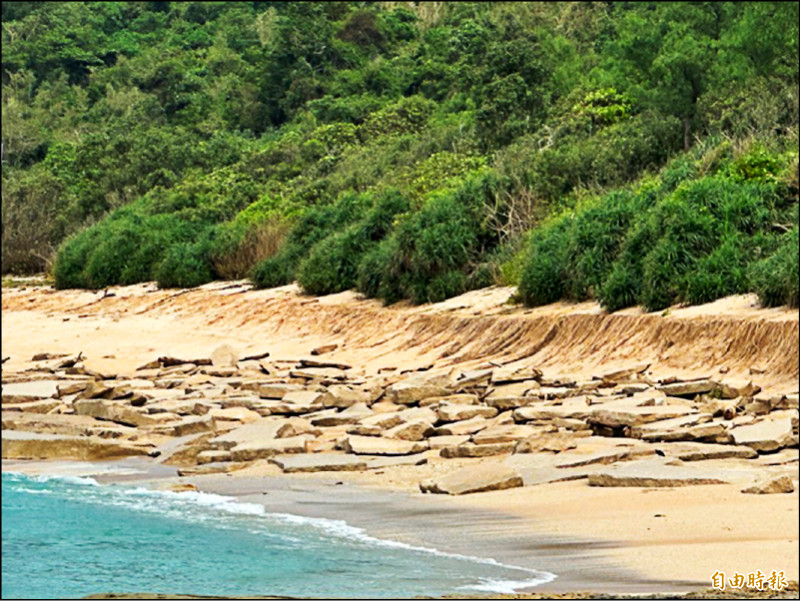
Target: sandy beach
605,539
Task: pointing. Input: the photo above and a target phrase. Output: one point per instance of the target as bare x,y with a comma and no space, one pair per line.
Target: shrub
544,276
315,225
684,233
596,235
184,266
238,247
378,276
775,278
623,286
720,273
332,264
70,264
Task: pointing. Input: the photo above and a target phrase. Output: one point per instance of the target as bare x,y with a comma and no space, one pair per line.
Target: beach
599,538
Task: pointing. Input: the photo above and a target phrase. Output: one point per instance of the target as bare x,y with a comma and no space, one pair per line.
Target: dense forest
630,152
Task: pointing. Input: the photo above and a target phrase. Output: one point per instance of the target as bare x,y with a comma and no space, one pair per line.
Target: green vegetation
631,153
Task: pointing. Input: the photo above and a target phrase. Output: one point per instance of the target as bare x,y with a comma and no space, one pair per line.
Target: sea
67,537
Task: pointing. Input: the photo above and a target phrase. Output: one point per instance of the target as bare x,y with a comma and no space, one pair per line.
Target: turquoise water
67,537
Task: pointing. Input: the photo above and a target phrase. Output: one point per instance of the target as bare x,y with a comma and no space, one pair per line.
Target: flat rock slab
455,413
32,445
702,451
319,462
689,389
212,468
409,392
263,449
372,445
771,486
374,463
654,473
771,434
36,389
113,411
266,429
475,479
477,450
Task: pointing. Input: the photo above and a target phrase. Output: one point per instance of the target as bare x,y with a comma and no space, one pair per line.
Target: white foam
67,479
212,507
341,528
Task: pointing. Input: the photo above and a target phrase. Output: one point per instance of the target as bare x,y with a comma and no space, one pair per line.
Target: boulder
473,479
265,429
360,430
521,374
224,356
342,396
325,348
455,399
43,406
189,425
702,451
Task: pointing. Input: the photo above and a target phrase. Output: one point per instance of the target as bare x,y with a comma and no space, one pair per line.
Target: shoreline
421,522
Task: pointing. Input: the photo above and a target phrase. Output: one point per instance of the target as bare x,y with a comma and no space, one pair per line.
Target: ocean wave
224,511
342,529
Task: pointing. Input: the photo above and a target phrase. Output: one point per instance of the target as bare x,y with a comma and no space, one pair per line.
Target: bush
596,235
721,273
185,266
332,265
238,247
314,226
623,286
70,264
684,233
775,278
544,277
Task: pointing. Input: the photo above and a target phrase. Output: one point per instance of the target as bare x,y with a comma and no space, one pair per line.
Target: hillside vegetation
633,153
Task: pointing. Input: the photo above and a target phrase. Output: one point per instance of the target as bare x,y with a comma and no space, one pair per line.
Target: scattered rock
469,449
412,430
689,389
370,445
474,479
33,445
766,436
653,474
455,413
112,411
326,348
319,463
770,486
